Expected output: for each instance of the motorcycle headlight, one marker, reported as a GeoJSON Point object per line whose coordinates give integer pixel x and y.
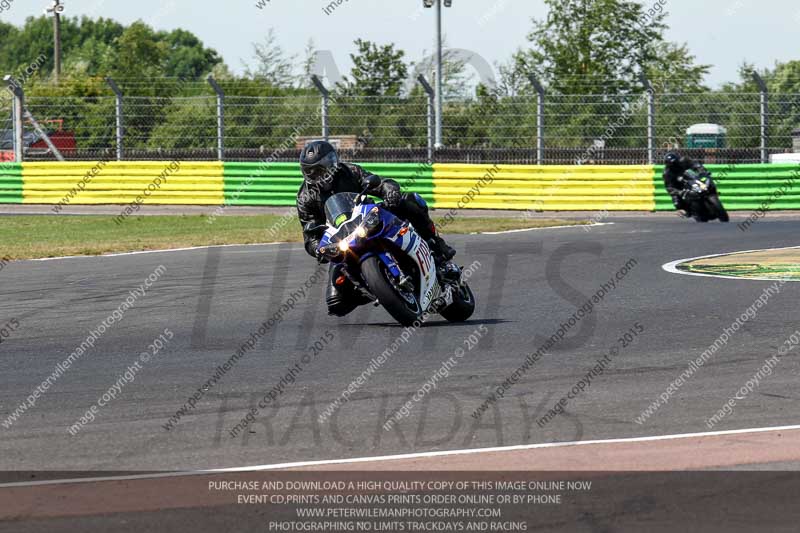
{"type": "Point", "coordinates": [343, 246]}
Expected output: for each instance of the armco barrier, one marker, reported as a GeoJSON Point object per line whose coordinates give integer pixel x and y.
{"type": "Point", "coordinates": [262, 183]}
{"type": "Point", "coordinates": [548, 188]}
{"type": "Point", "coordinates": [523, 187]}
{"type": "Point", "coordinates": [10, 183]}
{"type": "Point", "coordinates": [278, 183]}
{"type": "Point", "coordinates": [745, 186]}
{"type": "Point", "coordinates": [184, 182]}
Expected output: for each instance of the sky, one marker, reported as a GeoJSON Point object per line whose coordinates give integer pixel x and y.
{"type": "Point", "coordinates": [722, 33]}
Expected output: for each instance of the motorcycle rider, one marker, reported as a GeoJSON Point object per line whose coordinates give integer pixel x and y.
{"type": "Point", "coordinates": [675, 166]}
{"type": "Point", "coordinates": [325, 175]}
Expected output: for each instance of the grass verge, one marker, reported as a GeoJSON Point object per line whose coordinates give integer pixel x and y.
{"type": "Point", "coordinates": [38, 236]}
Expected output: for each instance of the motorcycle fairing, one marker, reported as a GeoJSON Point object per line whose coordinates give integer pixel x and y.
{"type": "Point", "coordinates": [404, 237]}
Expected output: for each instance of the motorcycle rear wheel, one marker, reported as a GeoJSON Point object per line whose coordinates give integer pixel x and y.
{"type": "Point", "coordinates": [396, 302]}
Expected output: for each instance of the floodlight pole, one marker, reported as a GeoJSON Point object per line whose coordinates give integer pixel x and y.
{"type": "Point", "coordinates": [439, 65]}
{"type": "Point", "coordinates": [56, 9]}
{"type": "Point", "coordinates": [439, 106]}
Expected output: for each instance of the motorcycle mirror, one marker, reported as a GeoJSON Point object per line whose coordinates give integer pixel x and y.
{"type": "Point", "coordinates": [371, 182]}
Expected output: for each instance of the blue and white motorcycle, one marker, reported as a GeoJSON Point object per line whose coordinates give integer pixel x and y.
{"type": "Point", "coordinates": [390, 263]}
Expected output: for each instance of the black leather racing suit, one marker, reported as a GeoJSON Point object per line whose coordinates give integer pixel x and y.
{"type": "Point", "coordinates": [672, 183]}
{"type": "Point", "coordinates": [342, 299]}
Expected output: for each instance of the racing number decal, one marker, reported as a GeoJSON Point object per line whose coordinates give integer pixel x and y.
{"type": "Point", "coordinates": [424, 257]}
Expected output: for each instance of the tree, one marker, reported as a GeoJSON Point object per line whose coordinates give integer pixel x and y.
{"type": "Point", "coordinates": [138, 53]}
{"type": "Point", "coordinates": [186, 56]}
{"type": "Point", "coordinates": [785, 78]}
{"type": "Point", "coordinates": [602, 46]}
{"type": "Point", "coordinates": [271, 63]}
{"type": "Point", "coordinates": [511, 80]}
{"type": "Point", "coordinates": [377, 70]}
{"type": "Point", "coordinates": [672, 69]}
{"type": "Point", "coordinates": [309, 59]}
{"type": "Point", "coordinates": [89, 59]}
{"type": "Point", "coordinates": [371, 109]}
{"type": "Point", "coordinates": [100, 47]}
{"type": "Point", "coordinates": [456, 81]}
{"type": "Point", "coordinates": [783, 85]}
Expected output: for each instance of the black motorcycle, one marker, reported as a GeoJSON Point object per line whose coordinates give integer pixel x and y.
{"type": "Point", "coordinates": [701, 198]}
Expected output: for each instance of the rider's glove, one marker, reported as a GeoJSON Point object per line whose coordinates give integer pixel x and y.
{"type": "Point", "coordinates": [392, 198]}
{"type": "Point", "coordinates": [314, 245]}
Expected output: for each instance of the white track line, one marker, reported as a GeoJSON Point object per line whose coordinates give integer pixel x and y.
{"type": "Point", "coordinates": [420, 455]}
{"type": "Point", "coordinates": [122, 254]}
{"type": "Point", "coordinates": [546, 227]}
{"type": "Point", "coordinates": [141, 252]}
{"type": "Point", "coordinates": [672, 266]}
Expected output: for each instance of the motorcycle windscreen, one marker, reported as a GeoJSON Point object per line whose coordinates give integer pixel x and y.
{"type": "Point", "coordinates": [692, 175]}
{"type": "Point", "coordinates": [339, 208]}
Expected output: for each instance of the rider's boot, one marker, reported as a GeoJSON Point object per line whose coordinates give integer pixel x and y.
{"type": "Point", "coordinates": [442, 254]}
{"type": "Point", "coordinates": [450, 272]}
{"type": "Point", "coordinates": [442, 251]}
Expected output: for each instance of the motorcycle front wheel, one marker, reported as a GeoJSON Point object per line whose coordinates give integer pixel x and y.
{"type": "Point", "coordinates": [402, 305]}
{"type": "Point", "coordinates": [715, 207]}
{"type": "Point", "coordinates": [699, 210]}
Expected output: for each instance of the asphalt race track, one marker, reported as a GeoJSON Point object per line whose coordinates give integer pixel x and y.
{"type": "Point", "coordinates": [527, 285]}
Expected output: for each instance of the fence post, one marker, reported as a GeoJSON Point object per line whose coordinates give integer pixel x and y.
{"type": "Point", "coordinates": [325, 101]}
{"type": "Point", "coordinates": [651, 119]}
{"type": "Point", "coordinates": [539, 119]}
{"type": "Point", "coordinates": [17, 107]}
{"type": "Point", "coordinates": [430, 113]}
{"type": "Point", "coordinates": [762, 88]}
{"type": "Point", "coordinates": [118, 107]}
{"type": "Point", "coordinates": [220, 117]}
